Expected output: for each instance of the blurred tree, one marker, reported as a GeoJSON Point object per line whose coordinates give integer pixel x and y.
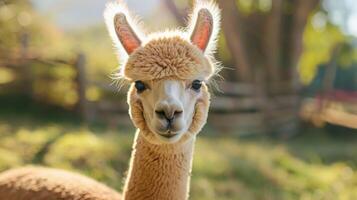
{"type": "Point", "coordinates": [262, 34]}
{"type": "Point", "coordinates": [12, 22]}
{"type": "Point", "coordinates": [231, 23]}
{"type": "Point", "coordinates": [269, 42]}
{"type": "Point", "coordinates": [339, 73]}
{"type": "Point", "coordinates": [319, 40]}
{"type": "Point", "coordinates": [18, 19]}
{"type": "Point", "coordinates": [24, 33]}
{"type": "Point", "coordinates": [269, 35]}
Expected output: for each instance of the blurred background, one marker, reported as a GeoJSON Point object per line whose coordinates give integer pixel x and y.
{"type": "Point", "coordinates": [283, 120]}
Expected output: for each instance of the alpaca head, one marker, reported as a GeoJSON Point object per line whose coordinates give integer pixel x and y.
{"type": "Point", "coordinates": [168, 72]}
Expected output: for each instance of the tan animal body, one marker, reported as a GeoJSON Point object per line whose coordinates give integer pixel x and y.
{"type": "Point", "coordinates": [168, 100]}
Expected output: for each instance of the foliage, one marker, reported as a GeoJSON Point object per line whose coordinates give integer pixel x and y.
{"type": "Point", "coordinates": [21, 26]}
{"type": "Point", "coordinates": [95, 43]}
{"type": "Point", "coordinates": [55, 84]}
{"type": "Point", "coordinates": [344, 79]}
{"type": "Point", "coordinates": [12, 18]}
{"type": "Point", "coordinates": [347, 56]}
{"type": "Point", "coordinates": [320, 37]}
{"type": "Point", "coordinates": [6, 75]}
{"type": "Point", "coordinates": [308, 167]}
{"type": "Point", "coordinates": [17, 19]}
{"type": "Point", "coordinates": [250, 6]}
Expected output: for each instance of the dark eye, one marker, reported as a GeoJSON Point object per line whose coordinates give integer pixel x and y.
{"type": "Point", "coordinates": [196, 85]}
{"type": "Point", "coordinates": [140, 86]}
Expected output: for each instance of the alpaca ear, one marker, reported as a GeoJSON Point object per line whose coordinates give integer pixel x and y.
{"type": "Point", "coordinates": [204, 25]}
{"type": "Point", "coordinates": [203, 29]}
{"type": "Point", "coordinates": [121, 27]}
{"type": "Point", "coordinates": [125, 33]}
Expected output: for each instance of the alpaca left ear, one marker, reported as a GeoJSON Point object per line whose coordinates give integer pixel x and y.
{"type": "Point", "coordinates": [204, 25]}
{"type": "Point", "coordinates": [122, 28]}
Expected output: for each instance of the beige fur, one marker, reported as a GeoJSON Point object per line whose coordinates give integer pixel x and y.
{"type": "Point", "coordinates": [159, 168]}
{"type": "Point", "coordinates": [159, 172]}
{"type": "Point", "coordinates": [37, 183]}
{"type": "Point", "coordinates": [199, 118]}
{"type": "Point", "coordinates": [167, 57]}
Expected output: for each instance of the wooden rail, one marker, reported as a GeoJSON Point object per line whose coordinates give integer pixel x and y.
{"type": "Point", "coordinates": [247, 108]}
{"type": "Point", "coordinates": [333, 112]}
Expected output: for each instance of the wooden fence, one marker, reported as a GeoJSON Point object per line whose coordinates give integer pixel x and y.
{"type": "Point", "coordinates": [245, 108]}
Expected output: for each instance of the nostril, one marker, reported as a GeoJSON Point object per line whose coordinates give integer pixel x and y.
{"type": "Point", "coordinates": [160, 113]}
{"type": "Point", "coordinates": [169, 116]}
{"type": "Point", "coordinates": [177, 112]}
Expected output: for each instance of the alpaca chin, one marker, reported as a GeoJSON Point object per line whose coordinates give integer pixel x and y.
{"type": "Point", "coordinates": [171, 140]}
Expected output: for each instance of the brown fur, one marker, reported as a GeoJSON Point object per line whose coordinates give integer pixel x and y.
{"type": "Point", "coordinates": [159, 172]}
{"type": "Point", "coordinates": [37, 183]}
{"type": "Point", "coordinates": [199, 118]}
{"type": "Point", "coordinates": [167, 57]}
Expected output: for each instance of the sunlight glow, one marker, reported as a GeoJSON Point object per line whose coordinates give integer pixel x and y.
{"type": "Point", "coordinates": [352, 24]}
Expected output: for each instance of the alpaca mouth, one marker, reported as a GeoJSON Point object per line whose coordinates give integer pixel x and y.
{"type": "Point", "coordinates": [169, 135]}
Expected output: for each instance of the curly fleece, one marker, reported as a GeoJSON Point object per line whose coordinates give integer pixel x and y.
{"type": "Point", "coordinates": [167, 57]}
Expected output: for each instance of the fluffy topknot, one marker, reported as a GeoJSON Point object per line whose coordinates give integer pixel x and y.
{"type": "Point", "coordinates": [201, 33]}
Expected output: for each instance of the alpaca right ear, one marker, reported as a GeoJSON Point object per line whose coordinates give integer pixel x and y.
{"type": "Point", "coordinates": [204, 25]}
{"type": "Point", "coordinates": [121, 27]}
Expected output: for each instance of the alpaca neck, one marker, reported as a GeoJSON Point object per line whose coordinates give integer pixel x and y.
{"type": "Point", "coordinates": [159, 171]}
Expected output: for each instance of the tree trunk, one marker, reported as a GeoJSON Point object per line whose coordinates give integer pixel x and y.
{"type": "Point", "coordinates": [272, 41]}
{"type": "Point", "coordinates": [230, 24]}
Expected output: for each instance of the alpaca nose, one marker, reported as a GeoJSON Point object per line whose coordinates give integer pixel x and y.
{"type": "Point", "coordinates": [168, 110]}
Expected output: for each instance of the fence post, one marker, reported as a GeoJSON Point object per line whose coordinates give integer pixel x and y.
{"type": "Point", "coordinates": [26, 65]}
{"type": "Point", "coordinates": [82, 104]}
{"type": "Point", "coordinates": [261, 93]}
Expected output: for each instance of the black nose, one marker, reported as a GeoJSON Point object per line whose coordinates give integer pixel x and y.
{"type": "Point", "coordinates": [168, 115]}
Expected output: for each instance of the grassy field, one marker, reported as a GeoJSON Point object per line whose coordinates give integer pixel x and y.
{"type": "Point", "coordinates": [313, 165]}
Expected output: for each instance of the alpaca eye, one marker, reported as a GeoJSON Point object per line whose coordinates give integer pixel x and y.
{"type": "Point", "coordinates": [140, 86]}
{"type": "Point", "coordinates": [196, 85]}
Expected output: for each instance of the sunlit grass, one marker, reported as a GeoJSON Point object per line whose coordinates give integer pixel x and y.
{"type": "Point", "coordinates": [6, 75]}
{"type": "Point", "coordinates": [224, 167]}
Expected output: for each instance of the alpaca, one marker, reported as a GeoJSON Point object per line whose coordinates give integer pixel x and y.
{"type": "Point", "coordinates": [169, 100]}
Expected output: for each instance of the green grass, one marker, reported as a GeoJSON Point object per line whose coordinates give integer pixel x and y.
{"type": "Point", "coordinates": [313, 165]}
